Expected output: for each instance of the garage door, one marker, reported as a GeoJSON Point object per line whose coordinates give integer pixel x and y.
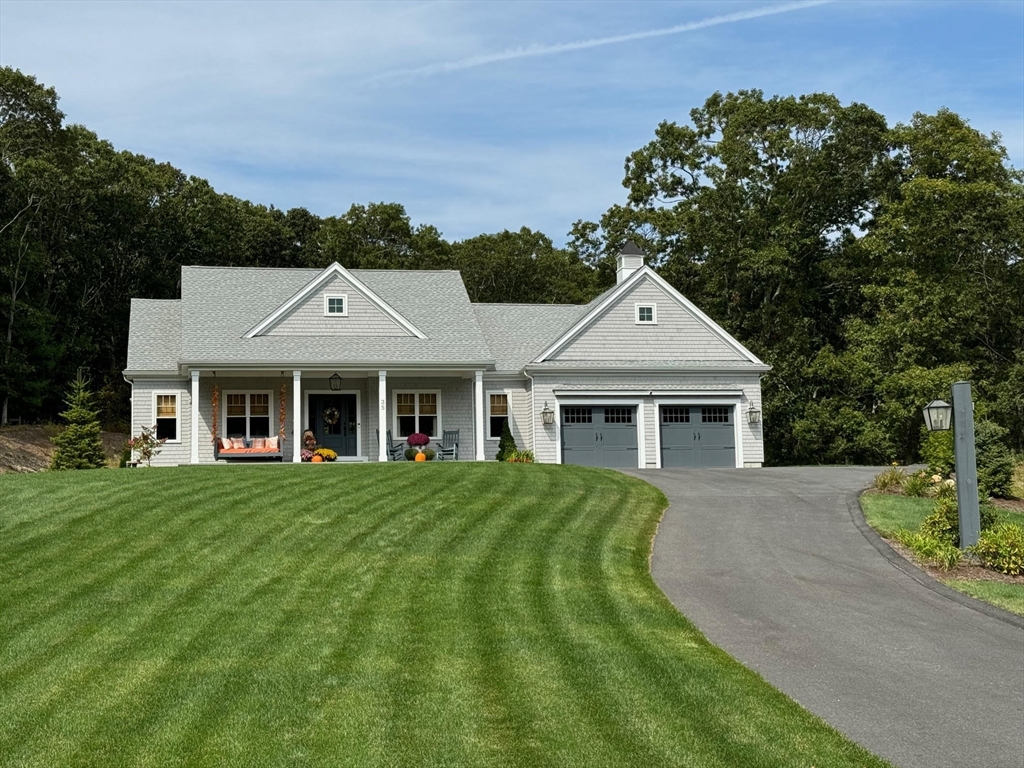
{"type": "Point", "coordinates": [599, 436]}
{"type": "Point", "coordinates": [697, 436]}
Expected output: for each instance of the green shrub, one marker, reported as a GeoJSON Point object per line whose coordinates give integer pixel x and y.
{"type": "Point", "coordinates": [1002, 549]}
{"type": "Point", "coordinates": [995, 461]}
{"type": "Point", "coordinates": [507, 444]}
{"type": "Point", "coordinates": [126, 456]}
{"type": "Point", "coordinates": [520, 457]}
{"type": "Point", "coordinates": [410, 454]}
{"type": "Point", "coordinates": [917, 484]}
{"type": "Point", "coordinates": [430, 453]}
{"type": "Point", "coordinates": [943, 523]}
{"type": "Point", "coordinates": [79, 445]}
{"type": "Point", "coordinates": [934, 551]}
{"type": "Point", "coordinates": [890, 480]}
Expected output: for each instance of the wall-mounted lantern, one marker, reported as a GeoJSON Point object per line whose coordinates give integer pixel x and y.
{"type": "Point", "coordinates": [335, 381]}
{"type": "Point", "coordinates": [753, 415]}
{"type": "Point", "coordinates": [547, 415]}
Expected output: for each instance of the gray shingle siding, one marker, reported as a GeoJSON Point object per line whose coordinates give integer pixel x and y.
{"type": "Point", "coordinates": [144, 415]}
{"type": "Point", "coordinates": [362, 318]}
{"type": "Point", "coordinates": [677, 334]}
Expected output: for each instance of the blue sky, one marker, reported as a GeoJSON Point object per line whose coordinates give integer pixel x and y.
{"type": "Point", "coordinates": [480, 117]}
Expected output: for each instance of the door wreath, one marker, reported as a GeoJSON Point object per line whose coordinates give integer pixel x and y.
{"type": "Point", "coordinates": [331, 416]}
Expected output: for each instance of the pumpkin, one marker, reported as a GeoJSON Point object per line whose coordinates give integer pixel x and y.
{"type": "Point", "coordinates": [421, 457]}
{"type": "Point", "coordinates": [317, 458]}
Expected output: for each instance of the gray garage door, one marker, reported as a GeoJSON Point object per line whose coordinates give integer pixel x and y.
{"type": "Point", "coordinates": [599, 436]}
{"type": "Point", "coordinates": [697, 436]}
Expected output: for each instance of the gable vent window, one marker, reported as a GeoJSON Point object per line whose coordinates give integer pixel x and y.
{"type": "Point", "coordinates": [336, 306]}
{"type": "Point", "coordinates": [646, 314]}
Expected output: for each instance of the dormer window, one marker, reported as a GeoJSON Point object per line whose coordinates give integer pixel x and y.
{"type": "Point", "coordinates": [646, 314]}
{"type": "Point", "coordinates": [336, 305]}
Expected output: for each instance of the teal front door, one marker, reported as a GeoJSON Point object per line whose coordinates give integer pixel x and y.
{"type": "Point", "coordinates": [332, 418]}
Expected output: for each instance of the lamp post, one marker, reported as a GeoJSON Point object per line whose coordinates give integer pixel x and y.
{"type": "Point", "coordinates": [937, 418]}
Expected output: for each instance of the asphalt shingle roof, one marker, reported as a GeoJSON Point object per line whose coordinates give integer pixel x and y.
{"type": "Point", "coordinates": [517, 333]}
{"type": "Point", "coordinates": [220, 304]}
{"type": "Point", "coordinates": [154, 335]}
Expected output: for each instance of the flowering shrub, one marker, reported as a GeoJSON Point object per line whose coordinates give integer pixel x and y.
{"type": "Point", "coordinates": [326, 454]}
{"type": "Point", "coordinates": [146, 445]}
{"type": "Point", "coordinates": [417, 439]}
{"type": "Point", "coordinates": [306, 455]}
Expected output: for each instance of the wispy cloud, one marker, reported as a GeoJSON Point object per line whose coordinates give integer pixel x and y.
{"type": "Point", "coordinates": [533, 51]}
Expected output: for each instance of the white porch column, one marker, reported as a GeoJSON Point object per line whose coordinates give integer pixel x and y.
{"type": "Point", "coordinates": [382, 415]}
{"type": "Point", "coordinates": [478, 408]}
{"type": "Point", "coordinates": [296, 416]}
{"type": "Point", "coordinates": [194, 459]}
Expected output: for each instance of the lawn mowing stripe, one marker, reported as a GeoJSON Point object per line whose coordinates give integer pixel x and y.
{"type": "Point", "coordinates": [446, 645]}
{"type": "Point", "coordinates": [361, 667]}
{"type": "Point", "coordinates": [91, 664]}
{"type": "Point", "coordinates": [380, 615]}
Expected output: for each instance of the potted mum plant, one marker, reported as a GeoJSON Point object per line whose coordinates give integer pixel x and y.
{"type": "Point", "coordinates": [417, 440]}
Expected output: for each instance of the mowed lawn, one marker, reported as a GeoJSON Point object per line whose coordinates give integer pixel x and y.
{"type": "Point", "coordinates": [439, 614]}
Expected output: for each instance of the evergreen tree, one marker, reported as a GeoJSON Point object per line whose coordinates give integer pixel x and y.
{"type": "Point", "coordinates": [507, 444]}
{"type": "Point", "coordinates": [79, 445]}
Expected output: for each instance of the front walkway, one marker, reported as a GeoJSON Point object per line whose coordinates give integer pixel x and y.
{"type": "Point", "coordinates": [771, 567]}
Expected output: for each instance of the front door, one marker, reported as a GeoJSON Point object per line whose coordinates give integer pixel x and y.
{"type": "Point", "coordinates": [332, 418]}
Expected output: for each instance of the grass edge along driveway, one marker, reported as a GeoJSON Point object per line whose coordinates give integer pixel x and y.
{"type": "Point", "coordinates": [440, 614]}
{"type": "Point", "coordinates": [887, 513]}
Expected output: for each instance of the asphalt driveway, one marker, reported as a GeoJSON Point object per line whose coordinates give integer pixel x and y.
{"type": "Point", "coordinates": [771, 565]}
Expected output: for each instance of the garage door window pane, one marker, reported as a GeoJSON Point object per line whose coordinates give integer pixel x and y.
{"type": "Point", "coordinates": [578, 416]}
{"type": "Point", "coordinates": [675, 415]}
{"type": "Point", "coordinates": [618, 415]}
{"type": "Point", "coordinates": [715, 415]}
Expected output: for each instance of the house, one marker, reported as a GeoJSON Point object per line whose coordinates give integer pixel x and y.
{"type": "Point", "coordinates": [640, 377]}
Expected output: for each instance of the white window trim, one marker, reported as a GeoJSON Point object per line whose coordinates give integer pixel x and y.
{"type": "Point", "coordinates": [271, 412]}
{"type": "Point", "coordinates": [654, 313]}
{"type": "Point", "coordinates": [328, 297]}
{"type": "Point", "coordinates": [394, 410]}
{"type": "Point", "coordinates": [177, 411]}
{"type": "Point", "coordinates": [487, 406]}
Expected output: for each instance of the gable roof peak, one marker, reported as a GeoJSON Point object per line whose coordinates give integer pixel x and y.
{"type": "Point", "coordinates": [334, 269]}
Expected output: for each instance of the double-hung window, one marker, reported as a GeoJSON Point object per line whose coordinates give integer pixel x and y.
{"type": "Point", "coordinates": [167, 416]}
{"type": "Point", "coordinates": [247, 414]}
{"type": "Point", "coordinates": [417, 412]}
{"type": "Point", "coordinates": [497, 414]}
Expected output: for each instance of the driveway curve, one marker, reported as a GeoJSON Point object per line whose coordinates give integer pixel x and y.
{"type": "Point", "coordinates": [770, 565]}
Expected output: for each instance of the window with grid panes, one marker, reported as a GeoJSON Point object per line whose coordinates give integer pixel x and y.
{"type": "Point", "coordinates": [417, 412]}
{"type": "Point", "coordinates": [247, 414]}
{"type": "Point", "coordinates": [167, 417]}
{"type": "Point", "coordinates": [498, 405]}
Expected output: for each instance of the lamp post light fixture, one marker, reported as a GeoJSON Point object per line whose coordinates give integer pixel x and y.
{"type": "Point", "coordinates": [547, 415]}
{"type": "Point", "coordinates": [335, 382]}
{"type": "Point", "coordinates": [937, 418]}
{"type": "Point", "coordinates": [753, 415]}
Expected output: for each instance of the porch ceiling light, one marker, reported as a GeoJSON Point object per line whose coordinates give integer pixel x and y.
{"type": "Point", "coordinates": [547, 415]}
{"type": "Point", "coordinates": [753, 414]}
{"type": "Point", "coordinates": [937, 416]}
{"type": "Point", "coordinates": [335, 381]}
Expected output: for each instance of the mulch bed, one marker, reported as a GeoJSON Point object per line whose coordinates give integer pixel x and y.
{"type": "Point", "coordinates": [965, 570]}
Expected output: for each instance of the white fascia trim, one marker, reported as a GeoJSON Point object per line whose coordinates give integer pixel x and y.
{"type": "Point", "coordinates": [334, 270]}
{"type": "Point", "coordinates": [628, 285]}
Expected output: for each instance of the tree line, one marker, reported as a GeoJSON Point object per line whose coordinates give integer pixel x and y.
{"type": "Point", "coordinates": [870, 265]}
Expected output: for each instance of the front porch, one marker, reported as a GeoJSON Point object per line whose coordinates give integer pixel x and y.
{"type": "Point", "coordinates": [344, 409]}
